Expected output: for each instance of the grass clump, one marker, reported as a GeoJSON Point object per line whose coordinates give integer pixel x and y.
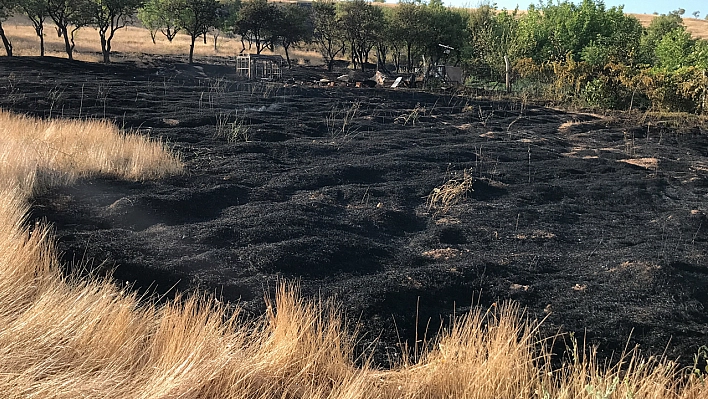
{"type": "Point", "coordinates": [36, 153]}
{"type": "Point", "coordinates": [233, 131]}
{"type": "Point", "coordinates": [442, 198]}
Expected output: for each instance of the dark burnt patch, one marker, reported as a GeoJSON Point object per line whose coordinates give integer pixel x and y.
{"type": "Point", "coordinates": [566, 222]}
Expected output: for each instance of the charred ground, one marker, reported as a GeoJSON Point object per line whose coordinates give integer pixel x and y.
{"type": "Point", "coordinates": [597, 223]}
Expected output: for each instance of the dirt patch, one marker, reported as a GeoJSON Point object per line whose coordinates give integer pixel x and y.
{"type": "Point", "coordinates": [559, 219]}
{"type": "Point", "coordinates": [646, 163]}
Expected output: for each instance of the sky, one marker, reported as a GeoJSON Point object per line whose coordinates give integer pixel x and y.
{"type": "Point", "coordinates": [630, 6]}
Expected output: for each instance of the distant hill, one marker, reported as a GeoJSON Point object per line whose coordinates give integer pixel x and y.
{"type": "Point", "coordinates": [697, 27]}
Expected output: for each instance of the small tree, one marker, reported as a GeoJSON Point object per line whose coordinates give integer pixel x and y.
{"type": "Point", "coordinates": [295, 26]}
{"type": "Point", "coordinates": [361, 24]}
{"type": "Point", "coordinates": [258, 24]}
{"type": "Point", "coordinates": [385, 39]}
{"type": "Point", "coordinates": [108, 16]}
{"type": "Point", "coordinates": [6, 9]}
{"type": "Point", "coordinates": [696, 14]}
{"type": "Point", "coordinates": [65, 13]}
{"type": "Point", "coordinates": [658, 28]}
{"type": "Point", "coordinates": [674, 50]}
{"type": "Point", "coordinates": [327, 33]}
{"type": "Point", "coordinates": [157, 15]}
{"type": "Point", "coordinates": [195, 17]}
{"type": "Point", "coordinates": [492, 37]}
{"type": "Point", "coordinates": [407, 27]}
{"type": "Point", "coordinates": [226, 16]}
{"type": "Point", "coordinates": [36, 11]}
{"type": "Point", "coordinates": [444, 26]}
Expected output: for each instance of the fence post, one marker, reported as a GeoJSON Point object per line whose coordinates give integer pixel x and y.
{"type": "Point", "coordinates": [508, 74]}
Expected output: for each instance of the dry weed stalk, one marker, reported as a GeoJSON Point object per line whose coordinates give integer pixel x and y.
{"type": "Point", "coordinates": [411, 117]}
{"type": "Point", "coordinates": [442, 198]}
{"type": "Point", "coordinates": [345, 116]}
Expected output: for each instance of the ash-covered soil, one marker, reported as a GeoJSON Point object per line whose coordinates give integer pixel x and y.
{"type": "Point", "coordinates": [597, 223]}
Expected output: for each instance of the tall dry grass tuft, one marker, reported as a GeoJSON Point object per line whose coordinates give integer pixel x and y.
{"type": "Point", "coordinates": [37, 153]}
{"type": "Point", "coordinates": [483, 355]}
{"type": "Point", "coordinates": [64, 337]}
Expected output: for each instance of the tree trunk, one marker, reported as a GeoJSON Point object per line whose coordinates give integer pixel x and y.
{"type": "Point", "coordinates": [105, 49]}
{"type": "Point", "coordinates": [287, 56]}
{"type": "Point", "coordinates": [205, 38]}
{"type": "Point", "coordinates": [191, 49]}
{"type": "Point", "coordinates": [152, 36]}
{"type": "Point", "coordinates": [67, 44]}
{"type": "Point", "coordinates": [5, 41]}
{"type": "Point", "coordinates": [39, 30]}
{"type": "Point", "coordinates": [410, 59]}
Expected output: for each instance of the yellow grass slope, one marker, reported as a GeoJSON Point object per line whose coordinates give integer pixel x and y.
{"type": "Point", "coordinates": [697, 27]}
{"type": "Point", "coordinates": [133, 42]}
{"type": "Point", "coordinates": [67, 338]}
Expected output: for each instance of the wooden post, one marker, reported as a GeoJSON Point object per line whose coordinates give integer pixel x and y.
{"type": "Point", "coordinates": [508, 74]}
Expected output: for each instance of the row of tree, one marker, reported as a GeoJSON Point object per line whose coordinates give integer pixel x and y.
{"type": "Point", "coordinates": [107, 16]}
{"type": "Point", "coordinates": [355, 28]}
{"type": "Point", "coordinates": [584, 50]}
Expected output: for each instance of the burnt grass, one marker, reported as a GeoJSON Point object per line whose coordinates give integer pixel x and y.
{"type": "Point", "coordinates": [330, 191]}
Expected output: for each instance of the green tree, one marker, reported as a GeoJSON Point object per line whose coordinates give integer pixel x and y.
{"type": "Point", "coordinates": [226, 16]}
{"type": "Point", "coordinates": [554, 30]}
{"type": "Point", "coordinates": [699, 54]}
{"type": "Point", "coordinates": [446, 27]}
{"type": "Point", "coordinates": [361, 24]}
{"type": "Point", "coordinates": [6, 10]}
{"type": "Point", "coordinates": [327, 32]}
{"type": "Point", "coordinates": [408, 27]}
{"type": "Point", "coordinates": [257, 23]}
{"type": "Point", "coordinates": [295, 26]}
{"type": "Point", "coordinates": [158, 15]}
{"type": "Point", "coordinates": [492, 36]}
{"type": "Point", "coordinates": [385, 39]}
{"type": "Point", "coordinates": [66, 13]}
{"type": "Point", "coordinates": [194, 17]}
{"type": "Point", "coordinates": [36, 11]}
{"type": "Point", "coordinates": [108, 16]}
{"type": "Point", "coordinates": [674, 50]}
{"type": "Point", "coordinates": [658, 28]}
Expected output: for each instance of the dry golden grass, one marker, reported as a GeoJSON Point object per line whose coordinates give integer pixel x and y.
{"type": "Point", "coordinates": [450, 193]}
{"type": "Point", "coordinates": [36, 154]}
{"type": "Point", "coordinates": [132, 42]}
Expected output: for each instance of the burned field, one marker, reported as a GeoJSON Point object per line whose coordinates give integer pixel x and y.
{"type": "Point", "coordinates": [597, 224]}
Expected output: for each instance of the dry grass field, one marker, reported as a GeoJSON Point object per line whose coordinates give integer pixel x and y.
{"type": "Point", "coordinates": [132, 43]}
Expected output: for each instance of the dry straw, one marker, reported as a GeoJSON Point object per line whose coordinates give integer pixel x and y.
{"type": "Point", "coordinates": [452, 192]}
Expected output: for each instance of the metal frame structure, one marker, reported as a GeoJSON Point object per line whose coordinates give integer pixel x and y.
{"type": "Point", "coordinates": [259, 66]}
